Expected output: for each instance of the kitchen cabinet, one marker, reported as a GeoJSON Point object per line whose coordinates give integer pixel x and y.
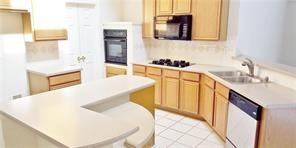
{"type": "Point", "coordinates": [14, 5]}
{"type": "Point", "coordinates": [148, 18]}
{"type": "Point", "coordinates": [40, 83]}
{"type": "Point", "coordinates": [114, 71]}
{"type": "Point", "coordinates": [157, 88]}
{"type": "Point", "coordinates": [189, 92]}
{"type": "Point", "coordinates": [156, 74]}
{"type": "Point", "coordinates": [182, 6]}
{"type": "Point", "coordinates": [81, 47]}
{"type": "Point", "coordinates": [221, 110]}
{"type": "Point", "coordinates": [164, 7]}
{"type": "Point", "coordinates": [209, 19]}
{"type": "Point", "coordinates": [46, 21]}
{"type": "Point", "coordinates": [206, 107]}
{"type": "Point", "coordinates": [170, 89]}
{"type": "Point", "coordinates": [220, 115]}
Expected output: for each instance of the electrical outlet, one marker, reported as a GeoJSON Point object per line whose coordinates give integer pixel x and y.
{"type": "Point", "coordinates": [16, 96]}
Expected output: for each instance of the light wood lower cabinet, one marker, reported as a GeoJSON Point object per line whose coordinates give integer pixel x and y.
{"type": "Point", "coordinates": [114, 71]}
{"type": "Point", "coordinates": [170, 91]}
{"type": "Point", "coordinates": [207, 103]}
{"type": "Point", "coordinates": [189, 95]}
{"type": "Point", "coordinates": [40, 83]}
{"type": "Point", "coordinates": [220, 115]}
{"type": "Point", "coordinates": [157, 88]}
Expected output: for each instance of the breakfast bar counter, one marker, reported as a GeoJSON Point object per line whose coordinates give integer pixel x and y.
{"type": "Point", "coordinates": [86, 115]}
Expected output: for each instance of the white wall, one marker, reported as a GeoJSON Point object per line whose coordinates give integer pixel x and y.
{"type": "Point", "coordinates": [288, 55]}
{"type": "Point", "coordinates": [12, 48]}
{"type": "Point", "coordinates": [261, 24]}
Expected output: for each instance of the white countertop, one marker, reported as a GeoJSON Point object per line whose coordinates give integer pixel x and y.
{"type": "Point", "coordinates": [51, 68]}
{"type": "Point", "coordinates": [60, 115]}
{"type": "Point", "coordinates": [268, 95]}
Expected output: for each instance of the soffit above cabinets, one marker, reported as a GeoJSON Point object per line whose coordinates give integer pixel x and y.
{"type": "Point", "coordinates": [19, 6]}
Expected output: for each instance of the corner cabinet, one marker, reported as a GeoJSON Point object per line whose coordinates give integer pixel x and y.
{"type": "Point", "coordinates": [209, 19]}
{"type": "Point", "coordinates": [46, 21]}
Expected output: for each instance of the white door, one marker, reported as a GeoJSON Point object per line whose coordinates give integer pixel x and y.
{"type": "Point", "coordinates": [88, 31]}
{"type": "Point", "coordinates": [83, 40]}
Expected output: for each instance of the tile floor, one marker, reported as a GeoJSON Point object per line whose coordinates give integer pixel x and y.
{"type": "Point", "coordinates": [176, 131]}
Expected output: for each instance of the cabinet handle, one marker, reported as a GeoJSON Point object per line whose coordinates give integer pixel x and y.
{"type": "Point", "coordinates": [83, 58]}
{"type": "Point", "coordinates": [79, 59]}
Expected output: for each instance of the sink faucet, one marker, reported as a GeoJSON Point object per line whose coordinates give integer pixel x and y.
{"type": "Point", "coordinates": [250, 65]}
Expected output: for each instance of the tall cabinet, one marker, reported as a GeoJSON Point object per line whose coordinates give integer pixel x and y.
{"type": "Point", "coordinates": [148, 17]}
{"type": "Point", "coordinates": [81, 47]}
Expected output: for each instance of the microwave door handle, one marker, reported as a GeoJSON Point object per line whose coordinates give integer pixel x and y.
{"type": "Point", "coordinates": [115, 40]}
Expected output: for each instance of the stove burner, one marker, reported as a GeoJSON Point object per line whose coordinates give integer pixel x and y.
{"type": "Point", "coordinates": [169, 62]}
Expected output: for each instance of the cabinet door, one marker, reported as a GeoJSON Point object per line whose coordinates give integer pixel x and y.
{"type": "Point", "coordinates": [49, 19]}
{"type": "Point", "coordinates": [189, 95]}
{"type": "Point", "coordinates": [164, 7]}
{"type": "Point", "coordinates": [182, 6]}
{"type": "Point", "coordinates": [171, 92]}
{"type": "Point", "coordinates": [157, 88]}
{"type": "Point", "coordinates": [220, 115]}
{"type": "Point", "coordinates": [18, 5]}
{"type": "Point", "coordinates": [148, 17]}
{"type": "Point", "coordinates": [206, 19]}
{"type": "Point", "coordinates": [206, 106]}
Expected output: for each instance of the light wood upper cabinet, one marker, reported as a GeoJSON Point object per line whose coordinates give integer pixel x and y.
{"type": "Point", "coordinates": [164, 7]}
{"type": "Point", "coordinates": [206, 107]}
{"type": "Point", "coordinates": [209, 19]}
{"type": "Point", "coordinates": [182, 6]}
{"type": "Point", "coordinates": [157, 88]}
{"type": "Point", "coordinates": [46, 21]}
{"type": "Point", "coordinates": [148, 18]}
{"type": "Point", "coordinates": [14, 5]}
{"type": "Point", "coordinates": [189, 95]}
{"type": "Point", "coordinates": [220, 115]}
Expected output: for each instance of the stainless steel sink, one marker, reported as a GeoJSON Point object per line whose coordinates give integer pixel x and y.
{"type": "Point", "coordinates": [238, 77]}
{"type": "Point", "coordinates": [229, 73]}
{"type": "Point", "coordinates": [244, 79]}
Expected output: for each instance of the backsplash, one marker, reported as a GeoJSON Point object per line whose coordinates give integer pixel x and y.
{"type": "Point", "coordinates": [214, 53]}
{"type": "Point", "coordinates": [41, 51]}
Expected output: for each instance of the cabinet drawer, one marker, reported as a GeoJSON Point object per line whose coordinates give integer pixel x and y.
{"type": "Point", "coordinates": [209, 82]}
{"type": "Point", "coordinates": [171, 73]}
{"type": "Point", "coordinates": [60, 79]}
{"type": "Point", "coordinates": [190, 76]}
{"type": "Point", "coordinates": [139, 74]}
{"type": "Point", "coordinates": [139, 69]}
{"type": "Point", "coordinates": [115, 71]}
{"type": "Point", "coordinates": [222, 90]}
{"type": "Point", "coordinates": [154, 71]}
{"type": "Point", "coordinates": [64, 85]}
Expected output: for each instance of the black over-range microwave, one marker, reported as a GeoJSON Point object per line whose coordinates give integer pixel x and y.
{"type": "Point", "coordinates": [171, 27]}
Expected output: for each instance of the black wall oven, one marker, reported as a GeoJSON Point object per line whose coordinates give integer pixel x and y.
{"type": "Point", "coordinates": [115, 46]}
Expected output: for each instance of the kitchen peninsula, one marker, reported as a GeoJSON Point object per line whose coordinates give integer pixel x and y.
{"type": "Point", "coordinates": [96, 114]}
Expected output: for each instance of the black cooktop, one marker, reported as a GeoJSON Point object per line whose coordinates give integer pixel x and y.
{"type": "Point", "coordinates": [172, 63]}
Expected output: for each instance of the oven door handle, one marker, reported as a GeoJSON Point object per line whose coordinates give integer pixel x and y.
{"type": "Point", "coordinates": [116, 40]}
